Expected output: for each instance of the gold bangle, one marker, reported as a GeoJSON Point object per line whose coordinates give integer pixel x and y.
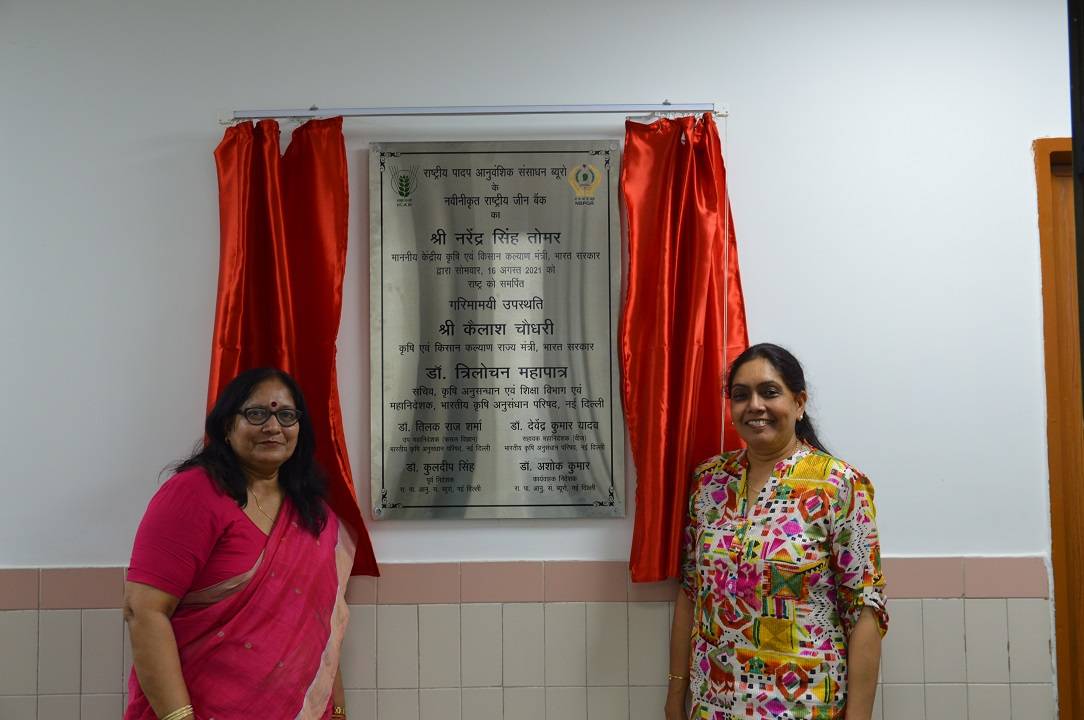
{"type": "Point", "coordinates": [672, 676]}
{"type": "Point", "coordinates": [180, 713]}
{"type": "Point", "coordinates": [338, 711]}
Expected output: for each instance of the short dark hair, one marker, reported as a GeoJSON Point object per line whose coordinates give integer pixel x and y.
{"type": "Point", "coordinates": [793, 377]}
{"type": "Point", "coordinates": [300, 477]}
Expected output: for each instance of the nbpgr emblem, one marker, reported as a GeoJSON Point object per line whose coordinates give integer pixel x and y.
{"type": "Point", "coordinates": [584, 180]}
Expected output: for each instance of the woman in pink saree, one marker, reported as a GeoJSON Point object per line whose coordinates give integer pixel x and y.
{"type": "Point", "coordinates": [235, 593]}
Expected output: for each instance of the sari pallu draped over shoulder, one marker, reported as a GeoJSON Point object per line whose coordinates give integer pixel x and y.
{"type": "Point", "coordinates": [267, 647]}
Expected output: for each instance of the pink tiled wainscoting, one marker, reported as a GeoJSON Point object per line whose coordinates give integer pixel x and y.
{"type": "Point", "coordinates": [969, 638]}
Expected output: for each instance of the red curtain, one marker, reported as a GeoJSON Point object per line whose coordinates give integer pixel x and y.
{"type": "Point", "coordinates": [280, 279]}
{"type": "Point", "coordinates": [684, 318]}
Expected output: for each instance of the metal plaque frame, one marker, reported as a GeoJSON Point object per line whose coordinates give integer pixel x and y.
{"type": "Point", "coordinates": [495, 271]}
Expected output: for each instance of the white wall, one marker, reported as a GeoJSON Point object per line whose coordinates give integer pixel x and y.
{"type": "Point", "coordinates": [881, 176]}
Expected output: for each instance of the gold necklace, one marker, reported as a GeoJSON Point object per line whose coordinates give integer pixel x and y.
{"type": "Point", "coordinates": [260, 508]}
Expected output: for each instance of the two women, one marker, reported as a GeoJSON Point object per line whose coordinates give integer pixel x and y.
{"type": "Point", "coordinates": [235, 592]}
{"type": "Point", "coordinates": [782, 607]}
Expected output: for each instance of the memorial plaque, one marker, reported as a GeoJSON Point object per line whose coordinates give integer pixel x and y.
{"type": "Point", "coordinates": [495, 282]}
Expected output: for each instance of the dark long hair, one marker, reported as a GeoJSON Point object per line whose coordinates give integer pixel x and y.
{"type": "Point", "coordinates": [300, 477]}
{"type": "Point", "coordinates": [793, 377]}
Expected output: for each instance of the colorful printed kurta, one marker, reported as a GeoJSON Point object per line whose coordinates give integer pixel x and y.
{"type": "Point", "coordinates": [778, 587]}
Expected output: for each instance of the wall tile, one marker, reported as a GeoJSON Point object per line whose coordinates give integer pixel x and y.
{"type": "Point", "coordinates": [418, 583]}
{"type": "Point", "coordinates": [664, 591]}
{"type": "Point", "coordinates": [523, 634]}
{"type": "Point", "coordinates": [57, 707]}
{"type": "Point", "coordinates": [566, 703]}
{"type": "Point", "coordinates": [59, 639]}
{"type": "Point", "coordinates": [1029, 641]}
{"type": "Point", "coordinates": [484, 703]}
{"type": "Point", "coordinates": [901, 653]}
{"type": "Point", "coordinates": [607, 644]}
{"type": "Point", "coordinates": [102, 652]}
{"type": "Point", "coordinates": [878, 704]}
{"type": "Point", "coordinates": [566, 653]}
{"type": "Point", "coordinates": [480, 645]}
{"type": "Point", "coordinates": [439, 704]}
{"type": "Point", "coordinates": [525, 703]}
{"type": "Point", "coordinates": [397, 649]}
{"type": "Point", "coordinates": [609, 703]}
{"type": "Point", "coordinates": [397, 705]}
{"type": "Point", "coordinates": [361, 704]}
{"type": "Point", "coordinates": [646, 703]}
{"type": "Point", "coordinates": [438, 646]}
{"type": "Point", "coordinates": [943, 641]}
{"type": "Point", "coordinates": [101, 707]}
{"type": "Point", "coordinates": [82, 588]}
{"type": "Point", "coordinates": [1006, 577]}
{"type": "Point", "coordinates": [649, 643]}
{"type": "Point", "coordinates": [924, 577]}
{"type": "Point", "coordinates": [946, 702]}
{"type": "Point", "coordinates": [19, 589]}
{"type": "Point", "coordinates": [565, 659]}
{"type": "Point", "coordinates": [361, 590]}
{"type": "Point", "coordinates": [903, 702]}
{"type": "Point", "coordinates": [496, 582]}
{"type": "Point", "coordinates": [359, 649]}
{"type": "Point", "coordinates": [586, 582]}
{"type": "Point", "coordinates": [989, 702]}
{"type": "Point", "coordinates": [18, 653]}
{"type": "Point", "coordinates": [18, 707]}
{"type": "Point", "coordinates": [1032, 702]}
{"type": "Point", "coordinates": [987, 633]}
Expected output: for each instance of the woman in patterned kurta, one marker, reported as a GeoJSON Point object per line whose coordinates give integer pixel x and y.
{"type": "Point", "coordinates": [781, 609]}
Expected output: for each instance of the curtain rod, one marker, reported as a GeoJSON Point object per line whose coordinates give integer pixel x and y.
{"type": "Point", "coordinates": [314, 111]}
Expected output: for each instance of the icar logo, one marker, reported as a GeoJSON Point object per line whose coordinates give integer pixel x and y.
{"type": "Point", "coordinates": [403, 183]}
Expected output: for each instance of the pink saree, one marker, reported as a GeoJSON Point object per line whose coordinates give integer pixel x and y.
{"type": "Point", "coordinates": [266, 644]}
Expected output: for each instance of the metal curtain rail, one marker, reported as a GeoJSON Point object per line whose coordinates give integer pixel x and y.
{"type": "Point", "coordinates": [629, 109]}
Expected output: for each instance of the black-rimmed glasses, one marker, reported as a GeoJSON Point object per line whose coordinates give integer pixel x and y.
{"type": "Point", "coordinates": [258, 415]}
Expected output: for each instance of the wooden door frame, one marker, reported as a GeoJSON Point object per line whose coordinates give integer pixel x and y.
{"type": "Point", "coordinates": [1064, 428]}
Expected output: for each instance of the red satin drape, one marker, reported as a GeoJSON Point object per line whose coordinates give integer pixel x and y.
{"type": "Point", "coordinates": [280, 280]}
{"type": "Point", "coordinates": [684, 318]}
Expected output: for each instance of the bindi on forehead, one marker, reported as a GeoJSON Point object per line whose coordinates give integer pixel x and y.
{"type": "Point", "coordinates": [274, 404]}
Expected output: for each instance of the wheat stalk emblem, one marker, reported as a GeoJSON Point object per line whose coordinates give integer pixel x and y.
{"type": "Point", "coordinates": [404, 182]}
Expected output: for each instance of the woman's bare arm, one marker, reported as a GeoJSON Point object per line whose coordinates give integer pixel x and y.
{"type": "Point", "coordinates": [680, 649]}
{"type": "Point", "coordinates": [338, 694]}
{"type": "Point", "coordinates": [863, 659]}
{"type": "Point", "coordinates": [147, 611]}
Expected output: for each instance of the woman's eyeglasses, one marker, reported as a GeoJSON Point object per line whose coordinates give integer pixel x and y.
{"type": "Point", "coordinates": [258, 415]}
